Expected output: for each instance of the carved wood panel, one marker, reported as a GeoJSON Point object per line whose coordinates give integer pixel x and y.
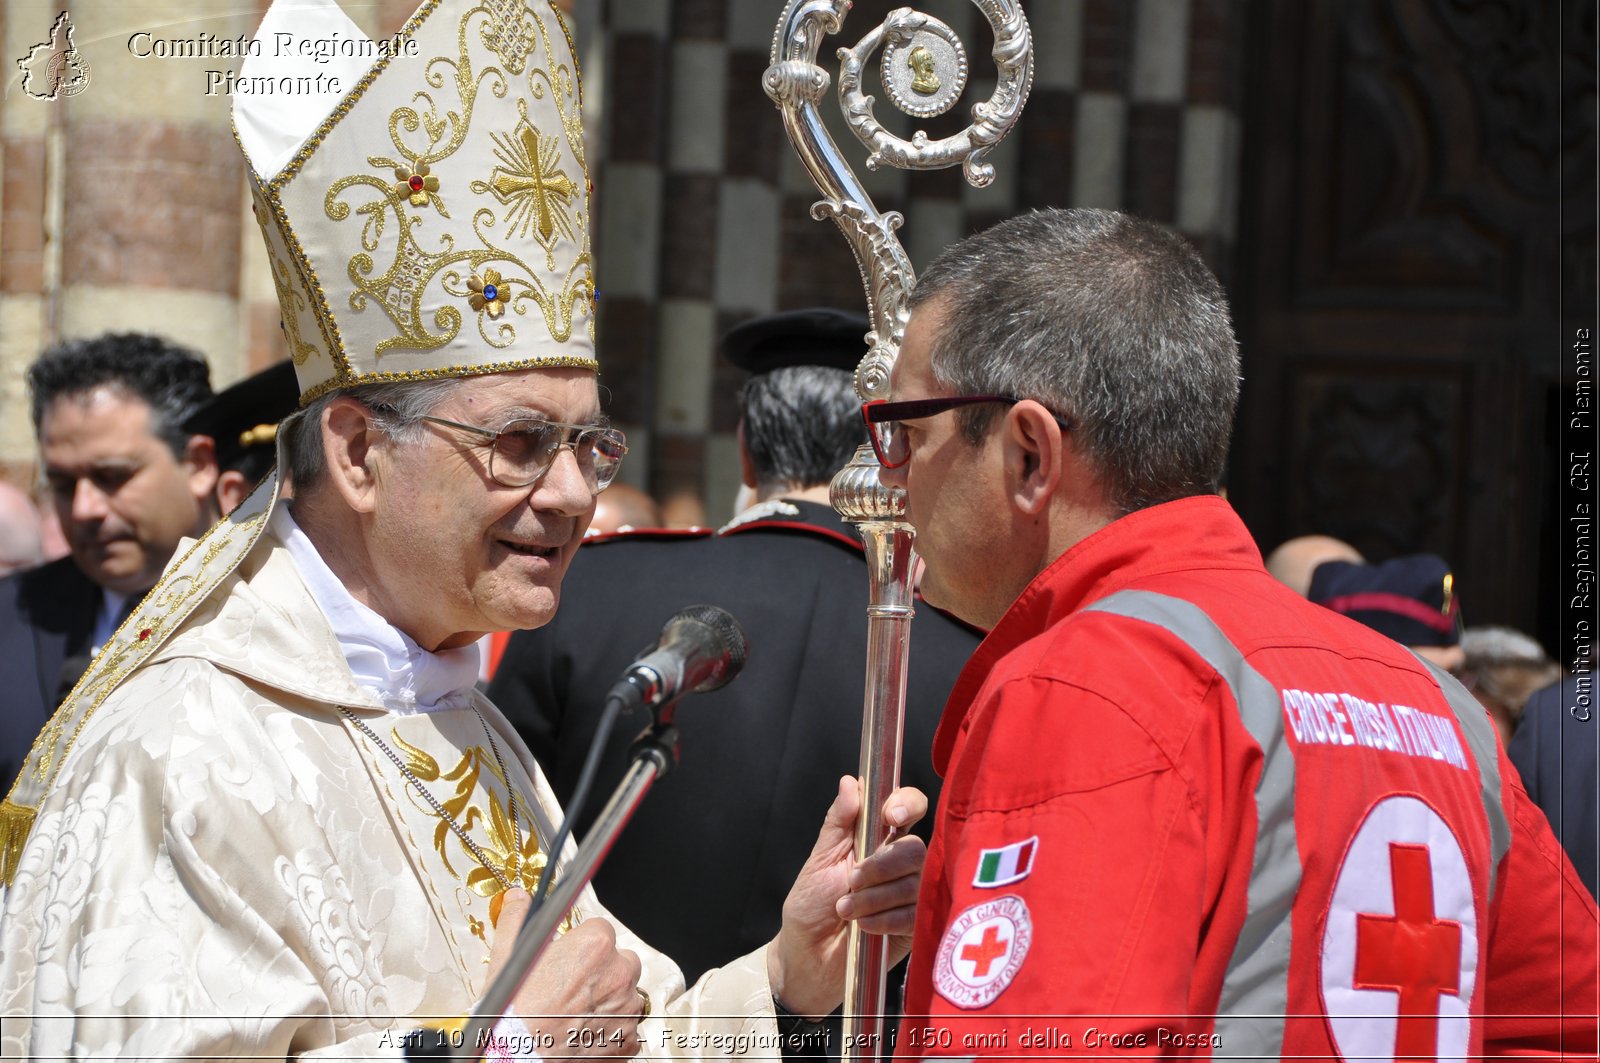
{"type": "Point", "coordinates": [1400, 278]}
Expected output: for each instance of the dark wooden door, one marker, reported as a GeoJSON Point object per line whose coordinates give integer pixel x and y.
{"type": "Point", "coordinates": [1399, 290]}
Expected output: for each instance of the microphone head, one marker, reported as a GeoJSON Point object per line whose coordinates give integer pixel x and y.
{"type": "Point", "coordinates": [718, 628]}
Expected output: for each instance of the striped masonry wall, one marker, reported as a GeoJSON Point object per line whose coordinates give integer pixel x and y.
{"type": "Point", "coordinates": [704, 211]}
{"type": "Point", "coordinates": [124, 207]}
{"type": "Point", "coordinates": [120, 207]}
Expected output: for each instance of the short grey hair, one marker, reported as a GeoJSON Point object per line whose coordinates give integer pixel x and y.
{"type": "Point", "coordinates": [399, 407]}
{"type": "Point", "coordinates": [1501, 645]}
{"type": "Point", "coordinates": [1111, 322]}
{"type": "Point", "coordinates": [1506, 665]}
{"type": "Point", "coordinates": [802, 424]}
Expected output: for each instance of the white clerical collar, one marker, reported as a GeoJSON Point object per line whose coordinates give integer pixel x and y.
{"type": "Point", "coordinates": [384, 660]}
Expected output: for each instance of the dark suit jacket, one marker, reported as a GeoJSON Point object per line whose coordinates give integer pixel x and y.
{"type": "Point", "coordinates": [703, 869]}
{"type": "Point", "coordinates": [46, 624]}
{"type": "Point", "coordinates": [1555, 749]}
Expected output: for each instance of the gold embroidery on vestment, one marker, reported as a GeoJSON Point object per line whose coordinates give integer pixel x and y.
{"type": "Point", "coordinates": [168, 603]}
{"type": "Point", "coordinates": [519, 867]}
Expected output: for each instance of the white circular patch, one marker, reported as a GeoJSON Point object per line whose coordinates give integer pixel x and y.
{"type": "Point", "coordinates": [982, 952]}
{"type": "Point", "coordinates": [1400, 942]}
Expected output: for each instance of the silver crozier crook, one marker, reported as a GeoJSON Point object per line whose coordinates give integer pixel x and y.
{"type": "Point", "coordinates": [923, 70]}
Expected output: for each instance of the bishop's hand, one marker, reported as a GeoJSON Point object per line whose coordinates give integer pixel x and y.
{"type": "Point", "coordinates": [581, 1000]}
{"type": "Point", "coordinates": [806, 961]}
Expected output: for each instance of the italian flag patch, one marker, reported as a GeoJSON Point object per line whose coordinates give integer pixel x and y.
{"type": "Point", "coordinates": [1001, 867]}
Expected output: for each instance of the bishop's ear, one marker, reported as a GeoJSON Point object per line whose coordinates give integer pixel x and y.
{"type": "Point", "coordinates": [348, 443]}
{"type": "Point", "coordinates": [1034, 444]}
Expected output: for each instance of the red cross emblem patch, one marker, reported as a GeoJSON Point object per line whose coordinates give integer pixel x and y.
{"type": "Point", "coordinates": [982, 952]}
{"type": "Point", "coordinates": [1400, 942]}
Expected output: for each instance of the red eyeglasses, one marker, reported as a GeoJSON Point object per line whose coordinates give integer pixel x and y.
{"type": "Point", "coordinates": [883, 421]}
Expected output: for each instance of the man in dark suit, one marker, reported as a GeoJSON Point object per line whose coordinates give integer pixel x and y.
{"type": "Point", "coordinates": [128, 482]}
{"type": "Point", "coordinates": [1556, 749]}
{"type": "Point", "coordinates": [763, 755]}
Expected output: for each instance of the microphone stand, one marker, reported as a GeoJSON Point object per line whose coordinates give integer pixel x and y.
{"type": "Point", "coordinates": [654, 754]}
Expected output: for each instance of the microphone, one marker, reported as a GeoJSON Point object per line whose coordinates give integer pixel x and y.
{"type": "Point", "coordinates": [700, 649]}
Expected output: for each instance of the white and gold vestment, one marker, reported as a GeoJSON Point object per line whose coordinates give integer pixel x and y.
{"type": "Point", "coordinates": [227, 867]}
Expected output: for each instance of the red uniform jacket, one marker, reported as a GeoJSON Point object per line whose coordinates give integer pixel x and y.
{"type": "Point", "coordinates": [1187, 812]}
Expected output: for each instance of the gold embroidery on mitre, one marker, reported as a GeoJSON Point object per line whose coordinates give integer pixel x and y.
{"type": "Point", "coordinates": [508, 34]}
{"type": "Point", "coordinates": [399, 289]}
{"type": "Point", "coordinates": [566, 83]}
{"type": "Point", "coordinates": [290, 299]}
{"type": "Point", "coordinates": [343, 372]}
{"type": "Point", "coordinates": [487, 292]}
{"type": "Point", "coordinates": [487, 113]}
{"type": "Point", "coordinates": [531, 182]}
{"type": "Point", "coordinates": [418, 186]}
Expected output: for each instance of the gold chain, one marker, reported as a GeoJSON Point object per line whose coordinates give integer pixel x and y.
{"type": "Point", "coordinates": [439, 810]}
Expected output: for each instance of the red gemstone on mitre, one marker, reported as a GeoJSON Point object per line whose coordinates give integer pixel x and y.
{"type": "Point", "coordinates": [416, 183]}
{"type": "Point", "coordinates": [144, 634]}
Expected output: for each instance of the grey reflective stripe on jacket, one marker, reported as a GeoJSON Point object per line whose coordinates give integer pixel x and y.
{"type": "Point", "coordinates": [1255, 989]}
{"type": "Point", "coordinates": [1475, 724]}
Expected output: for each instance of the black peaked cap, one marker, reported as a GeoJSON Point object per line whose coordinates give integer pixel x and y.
{"type": "Point", "coordinates": [234, 415]}
{"type": "Point", "coordinates": [834, 339]}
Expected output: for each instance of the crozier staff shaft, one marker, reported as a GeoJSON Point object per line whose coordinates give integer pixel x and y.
{"type": "Point", "coordinates": [924, 71]}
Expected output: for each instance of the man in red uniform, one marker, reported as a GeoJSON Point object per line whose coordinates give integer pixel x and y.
{"type": "Point", "coordinates": [1186, 812]}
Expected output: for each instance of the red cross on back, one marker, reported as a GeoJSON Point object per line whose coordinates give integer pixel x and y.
{"type": "Point", "coordinates": [1412, 953]}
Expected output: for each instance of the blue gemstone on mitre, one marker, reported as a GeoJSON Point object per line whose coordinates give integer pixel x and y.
{"type": "Point", "coordinates": [490, 292]}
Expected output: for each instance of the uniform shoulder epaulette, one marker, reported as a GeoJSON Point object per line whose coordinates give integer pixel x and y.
{"type": "Point", "coordinates": [646, 534]}
{"type": "Point", "coordinates": [771, 509]}
{"type": "Point", "coordinates": [803, 527]}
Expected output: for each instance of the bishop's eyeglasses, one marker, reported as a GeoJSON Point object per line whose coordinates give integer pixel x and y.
{"type": "Point", "coordinates": [524, 449]}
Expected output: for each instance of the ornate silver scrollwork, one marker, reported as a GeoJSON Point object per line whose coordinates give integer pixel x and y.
{"type": "Point", "coordinates": [936, 58]}
{"type": "Point", "coordinates": [883, 261]}
{"type": "Point", "coordinates": [924, 69]}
